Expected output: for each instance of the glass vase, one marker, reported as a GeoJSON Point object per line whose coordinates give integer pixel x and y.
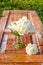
{"type": "Point", "coordinates": [19, 43]}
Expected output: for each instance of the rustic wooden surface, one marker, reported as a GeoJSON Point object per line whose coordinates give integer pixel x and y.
{"type": "Point", "coordinates": [14, 56]}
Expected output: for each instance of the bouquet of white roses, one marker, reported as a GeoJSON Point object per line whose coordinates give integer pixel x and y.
{"type": "Point", "coordinates": [21, 27]}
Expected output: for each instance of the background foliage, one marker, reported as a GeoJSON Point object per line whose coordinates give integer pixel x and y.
{"type": "Point", "coordinates": [23, 5]}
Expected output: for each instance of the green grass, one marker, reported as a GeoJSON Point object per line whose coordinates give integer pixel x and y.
{"type": "Point", "coordinates": [41, 16]}
{"type": "Point", "coordinates": [23, 5]}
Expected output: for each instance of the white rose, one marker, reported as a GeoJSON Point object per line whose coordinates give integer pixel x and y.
{"type": "Point", "coordinates": [22, 26]}
{"type": "Point", "coordinates": [31, 49]}
{"type": "Point", "coordinates": [12, 26]}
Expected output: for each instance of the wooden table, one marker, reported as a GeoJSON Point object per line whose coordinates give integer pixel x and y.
{"type": "Point", "coordinates": [13, 56]}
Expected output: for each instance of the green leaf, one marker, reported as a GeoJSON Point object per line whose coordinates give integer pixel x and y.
{"type": "Point", "coordinates": [15, 32]}
{"type": "Point", "coordinates": [1, 13]}
{"type": "Point", "coordinates": [22, 45]}
{"type": "Point", "coordinates": [19, 45]}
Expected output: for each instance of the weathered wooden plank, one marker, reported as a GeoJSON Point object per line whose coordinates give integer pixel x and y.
{"type": "Point", "coordinates": [29, 64]}
{"type": "Point", "coordinates": [4, 19]}
{"type": "Point", "coordinates": [3, 22]}
{"type": "Point", "coordinates": [20, 63]}
{"type": "Point", "coordinates": [38, 42]}
{"type": "Point", "coordinates": [20, 58]}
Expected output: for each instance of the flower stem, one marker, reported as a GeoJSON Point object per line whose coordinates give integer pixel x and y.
{"type": "Point", "coordinates": [19, 40]}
